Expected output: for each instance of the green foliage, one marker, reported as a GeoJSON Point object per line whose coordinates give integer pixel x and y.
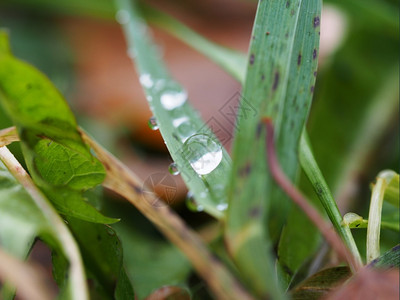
{"type": "Point", "coordinates": [128, 260]}
{"type": "Point", "coordinates": [59, 162]}
{"type": "Point", "coordinates": [279, 84]}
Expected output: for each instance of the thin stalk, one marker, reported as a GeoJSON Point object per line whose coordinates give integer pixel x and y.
{"type": "Point", "coordinates": [330, 235]}
{"type": "Point", "coordinates": [122, 181]}
{"type": "Point", "coordinates": [314, 174]}
{"type": "Point", "coordinates": [375, 214]}
{"type": "Point", "coordinates": [78, 284]}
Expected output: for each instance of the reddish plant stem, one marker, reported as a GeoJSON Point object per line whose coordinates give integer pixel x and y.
{"type": "Point", "coordinates": [327, 231]}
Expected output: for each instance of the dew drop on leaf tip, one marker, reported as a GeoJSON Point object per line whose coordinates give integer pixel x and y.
{"type": "Point", "coordinates": [153, 123]}
{"type": "Point", "coordinates": [173, 169]}
{"type": "Point", "coordinates": [192, 204]}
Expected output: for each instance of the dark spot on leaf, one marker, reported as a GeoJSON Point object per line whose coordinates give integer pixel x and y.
{"type": "Point", "coordinates": [315, 74]}
{"type": "Point", "coordinates": [287, 4]}
{"type": "Point", "coordinates": [276, 81]}
{"type": "Point", "coordinates": [262, 77]}
{"type": "Point", "coordinates": [255, 212]}
{"type": "Point", "coordinates": [292, 12]}
{"type": "Point", "coordinates": [314, 54]}
{"type": "Point", "coordinates": [253, 37]}
{"type": "Point", "coordinates": [252, 59]}
{"type": "Point", "coordinates": [98, 237]}
{"type": "Point", "coordinates": [267, 33]}
{"type": "Point", "coordinates": [316, 22]}
{"type": "Point", "coordinates": [175, 137]}
{"type": "Point", "coordinates": [245, 171]}
{"type": "Point", "coordinates": [286, 34]}
{"type": "Point", "coordinates": [299, 59]}
{"type": "Point", "coordinates": [259, 129]}
{"type": "Point", "coordinates": [312, 89]}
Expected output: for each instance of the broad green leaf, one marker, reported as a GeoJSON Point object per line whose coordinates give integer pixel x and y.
{"type": "Point", "coordinates": [321, 283]}
{"type": "Point", "coordinates": [59, 162]}
{"type": "Point", "coordinates": [25, 216]}
{"type": "Point", "coordinates": [279, 84]}
{"type": "Point", "coordinates": [201, 159]}
{"type": "Point", "coordinates": [103, 257]}
{"type": "Point", "coordinates": [147, 258]}
{"type": "Point", "coordinates": [390, 259]}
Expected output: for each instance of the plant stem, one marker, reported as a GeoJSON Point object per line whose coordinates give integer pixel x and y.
{"type": "Point", "coordinates": [122, 181]}
{"type": "Point", "coordinates": [79, 290]}
{"type": "Point", "coordinates": [375, 212]}
{"type": "Point", "coordinates": [314, 174]}
{"type": "Point", "coordinates": [330, 235]}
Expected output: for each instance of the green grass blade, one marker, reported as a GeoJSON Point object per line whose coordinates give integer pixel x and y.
{"type": "Point", "coordinates": [388, 260]}
{"type": "Point", "coordinates": [231, 61]}
{"type": "Point", "coordinates": [176, 118]}
{"type": "Point", "coordinates": [321, 188]}
{"type": "Point", "coordinates": [279, 83]}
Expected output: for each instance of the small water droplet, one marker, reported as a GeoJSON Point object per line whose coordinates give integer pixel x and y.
{"type": "Point", "coordinates": [222, 206]}
{"type": "Point", "coordinates": [146, 81]}
{"type": "Point", "coordinates": [192, 204]}
{"type": "Point", "coordinates": [173, 99]}
{"type": "Point", "coordinates": [178, 121]}
{"type": "Point", "coordinates": [132, 53]}
{"type": "Point", "coordinates": [173, 169]}
{"type": "Point", "coordinates": [153, 123]}
{"type": "Point", "coordinates": [122, 16]}
{"type": "Point", "coordinates": [203, 152]}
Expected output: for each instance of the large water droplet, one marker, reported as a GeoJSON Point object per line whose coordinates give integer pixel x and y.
{"type": "Point", "coordinates": [146, 81]}
{"type": "Point", "coordinates": [173, 169]}
{"type": "Point", "coordinates": [122, 16]}
{"type": "Point", "coordinates": [153, 123]}
{"type": "Point", "coordinates": [192, 204]}
{"type": "Point", "coordinates": [203, 152]}
{"type": "Point", "coordinates": [173, 99]}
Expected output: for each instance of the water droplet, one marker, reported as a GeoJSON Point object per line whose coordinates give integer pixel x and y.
{"type": "Point", "coordinates": [146, 81]}
{"type": "Point", "coordinates": [222, 206]}
{"type": "Point", "coordinates": [203, 152]}
{"type": "Point", "coordinates": [122, 16]}
{"type": "Point", "coordinates": [153, 123]}
{"type": "Point", "coordinates": [173, 169]}
{"type": "Point", "coordinates": [178, 121]}
{"type": "Point", "coordinates": [173, 99]}
{"type": "Point", "coordinates": [192, 204]}
{"type": "Point", "coordinates": [132, 53]}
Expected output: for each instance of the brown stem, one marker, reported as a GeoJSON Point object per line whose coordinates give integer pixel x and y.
{"type": "Point", "coordinates": [327, 231]}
